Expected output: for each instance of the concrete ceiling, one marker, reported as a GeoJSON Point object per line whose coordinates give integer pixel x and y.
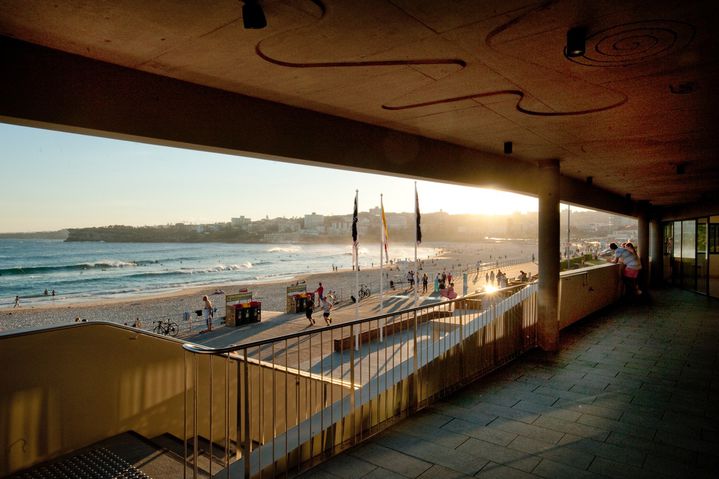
{"type": "Point", "coordinates": [633, 111]}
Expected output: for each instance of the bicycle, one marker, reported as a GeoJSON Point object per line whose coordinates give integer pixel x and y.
{"type": "Point", "coordinates": [364, 291]}
{"type": "Point", "coordinates": [167, 328]}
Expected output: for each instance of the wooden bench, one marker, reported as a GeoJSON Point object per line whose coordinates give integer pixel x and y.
{"type": "Point", "coordinates": [472, 304]}
{"type": "Point", "coordinates": [347, 342]}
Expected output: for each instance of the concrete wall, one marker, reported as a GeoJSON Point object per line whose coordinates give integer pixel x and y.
{"type": "Point", "coordinates": [584, 291]}
{"type": "Point", "coordinates": [63, 389]}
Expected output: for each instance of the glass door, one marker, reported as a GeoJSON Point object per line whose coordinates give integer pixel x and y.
{"type": "Point", "coordinates": [677, 254]}
{"type": "Point", "coordinates": [667, 252]}
{"type": "Point", "coordinates": [702, 271]}
{"type": "Point", "coordinates": [689, 271]}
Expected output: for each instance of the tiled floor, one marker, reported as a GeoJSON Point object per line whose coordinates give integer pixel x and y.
{"type": "Point", "coordinates": [634, 392]}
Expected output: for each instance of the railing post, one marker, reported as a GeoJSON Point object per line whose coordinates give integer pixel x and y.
{"type": "Point", "coordinates": [462, 312]}
{"type": "Point", "coordinates": [210, 406]}
{"type": "Point", "coordinates": [352, 386]}
{"type": "Point", "coordinates": [414, 397]}
{"type": "Point", "coordinates": [195, 440]}
{"type": "Point", "coordinates": [184, 417]}
{"type": "Point", "coordinates": [247, 446]}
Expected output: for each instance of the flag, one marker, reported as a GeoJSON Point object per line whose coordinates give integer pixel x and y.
{"type": "Point", "coordinates": [385, 235]}
{"type": "Point", "coordinates": [416, 212]}
{"type": "Point", "coordinates": [354, 222]}
{"type": "Point", "coordinates": [354, 231]}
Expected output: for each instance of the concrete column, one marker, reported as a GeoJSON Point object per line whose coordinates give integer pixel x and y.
{"type": "Point", "coordinates": [643, 248]}
{"type": "Point", "coordinates": [548, 254]}
{"type": "Point", "coordinates": [656, 254]}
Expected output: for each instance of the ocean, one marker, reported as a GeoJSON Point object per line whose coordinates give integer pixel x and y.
{"type": "Point", "coordinates": [83, 271]}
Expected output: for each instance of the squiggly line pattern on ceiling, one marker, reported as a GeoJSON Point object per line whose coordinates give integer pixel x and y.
{"type": "Point", "coordinates": [632, 43]}
{"type": "Point", "coordinates": [518, 93]}
{"type": "Point", "coordinates": [607, 43]}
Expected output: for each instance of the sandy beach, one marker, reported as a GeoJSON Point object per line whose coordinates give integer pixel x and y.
{"type": "Point", "coordinates": [172, 305]}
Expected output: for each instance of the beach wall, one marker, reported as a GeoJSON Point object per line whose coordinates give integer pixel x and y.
{"type": "Point", "coordinates": [65, 388]}
{"type": "Point", "coordinates": [586, 290]}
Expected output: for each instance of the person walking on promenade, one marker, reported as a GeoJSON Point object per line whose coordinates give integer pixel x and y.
{"type": "Point", "coordinates": [207, 312]}
{"type": "Point", "coordinates": [425, 280]}
{"type": "Point", "coordinates": [326, 307]}
{"type": "Point", "coordinates": [17, 302]}
{"type": "Point", "coordinates": [320, 294]}
{"type": "Point", "coordinates": [309, 309]}
{"type": "Point", "coordinates": [491, 277]}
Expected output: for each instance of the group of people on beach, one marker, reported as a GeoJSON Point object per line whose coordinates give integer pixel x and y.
{"type": "Point", "coordinates": [17, 298]}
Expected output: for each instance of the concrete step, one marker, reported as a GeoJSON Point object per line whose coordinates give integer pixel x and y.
{"type": "Point", "coordinates": [125, 456]}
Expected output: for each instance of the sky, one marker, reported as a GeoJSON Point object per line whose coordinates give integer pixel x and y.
{"type": "Point", "coordinates": [53, 180]}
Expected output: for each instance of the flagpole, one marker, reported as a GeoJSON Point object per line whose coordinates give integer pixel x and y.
{"type": "Point", "coordinates": [381, 259]}
{"type": "Point", "coordinates": [356, 243]}
{"type": "Point", "coordinates": [416, 270]}
{"type": "Point", "coordinates": [381, 262]}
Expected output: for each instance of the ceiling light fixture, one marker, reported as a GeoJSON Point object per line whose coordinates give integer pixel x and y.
{"type": "Point", "coordinates": [576, 39]}
{"type": "Point", "coordinates": [681, 168]}
{"type": "Point", "coordinates": [590, 180]}
{"type": "Point", "coordinates": [253, 17]}
{"type": "Point", "coordinates": [507, 147]}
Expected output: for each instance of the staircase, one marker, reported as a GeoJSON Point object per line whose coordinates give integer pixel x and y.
{"type": "Point", "coordinates": [126, 456]}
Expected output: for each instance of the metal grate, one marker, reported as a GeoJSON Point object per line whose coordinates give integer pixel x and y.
{"type": "Point", "coordinates": [98, 463]}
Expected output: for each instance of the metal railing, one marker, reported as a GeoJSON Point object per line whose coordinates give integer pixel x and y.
{"type": "Point", "coordinates": [278, 406]}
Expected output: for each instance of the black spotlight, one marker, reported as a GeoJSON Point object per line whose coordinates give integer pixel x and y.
{"type": "Point", "coordinates": [590, 180]}
{"type": "Point", "coordinates": [252, 14]}
{"type": "Point", "coordinates": [507, 147]}
{"type": "Point", "coordinates": [576, 38]}
{"type": "Point", "coordinates": [681, 168]}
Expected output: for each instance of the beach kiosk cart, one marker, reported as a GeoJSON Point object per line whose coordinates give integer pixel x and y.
{"type": "Point", "coordinates": [241, 309]}
{"type": "Point", "coordinates": [297, 298]}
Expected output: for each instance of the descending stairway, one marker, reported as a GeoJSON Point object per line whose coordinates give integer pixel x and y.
{"type": "Point", "coordinates": [174, 445]}
{"type": "Point", "coordinates": [94, 463]}
{"type": "Point", "coordinates": [125, 456]}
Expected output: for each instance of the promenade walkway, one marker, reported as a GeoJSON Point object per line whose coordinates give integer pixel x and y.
{"type": "Point", "coordinates": [632, 393]}
{"type": "Point", "coordinates": [276, 323]}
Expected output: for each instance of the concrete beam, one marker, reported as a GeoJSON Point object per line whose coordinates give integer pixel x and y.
{"type": "Point", "coordinates": [693, 210]}
{"type": "Point", "coordinates": [57, 90]}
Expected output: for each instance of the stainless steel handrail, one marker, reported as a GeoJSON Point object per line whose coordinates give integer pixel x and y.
{"type": "Point", "coordinates": [201, 349]}
{"type": "Point", "coordinates": [290, 404]}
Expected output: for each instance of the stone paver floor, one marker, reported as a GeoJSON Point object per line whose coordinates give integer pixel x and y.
{"type": "Point", "coordinates": [634, 392]}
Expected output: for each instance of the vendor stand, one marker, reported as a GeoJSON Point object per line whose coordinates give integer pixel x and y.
{"type": "Point", "coordinates": [241, 309]}
{"type": "Point", "coordinates": [297, 296]}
